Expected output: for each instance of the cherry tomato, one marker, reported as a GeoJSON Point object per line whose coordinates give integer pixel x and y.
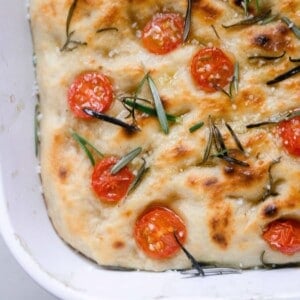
{"type": "Point", "coordinates": [91, 90]}
{"type": "Point", "coordinates": [289, 132]}
{"type": "Point", "coordinates": [111, 187]}
{"type": "Point", "coordinates": [283, 235]}
{"type": "Point", "coordinates": [154, 232]}
{"type": "Point", "coordinates": [211, 69]}
{"type": "Point", "coordinates": [163, 33]}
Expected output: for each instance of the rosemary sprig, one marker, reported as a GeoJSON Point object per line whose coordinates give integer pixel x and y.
{"type": "Point", "coordinates": [140, 174]}
{"type": "Point", "coordinates": [292, 26]}
{"type": "Point", "coordinates": [199, 270]}
{"type": "Point", "coordinates": [296, 60]}
{"type": "Point", "coordinates": [275, 266]}
{"type": "Point", "coordinates": [209, 142]}
{"type": "Point", "coordinates": [276, 119]}
{"type": "Point", "coordinates": [107, 29]}
{"type": "Point", "coordinates": [196, 127]}
{"type": "Point", "coordinates": [36, 129]}
{"type": "Point", "coordinates": [250, 21]}
{"type": "Point", "coordinates": [146, 109]}
{"type": "Point", "coordinates": [125, 160]}
{"type": "Point", "coordinates": [112, 120]}
{"type": "Point", "coordinates": [270, 189]}
{"type": "Point", "coordinates": [67, 45]}
{"type": "Point", "coordinates": [263, 57]}
{"type": "Point", "coordinates": [284, 76]}
{"type": "Point", "coordinates": [161, 114]}
{"type": "Point", "coordinates": [187, 21]}
{"type": "Point", "coordinates": [234, 136]}
{"type": "Point", "coordinates": [231, 160]}
{"type": "Point", "coordinates": [83, 144]}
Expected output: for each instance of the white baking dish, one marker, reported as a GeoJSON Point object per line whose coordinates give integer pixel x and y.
{"type": "Point", "coordinates": [28, 231]}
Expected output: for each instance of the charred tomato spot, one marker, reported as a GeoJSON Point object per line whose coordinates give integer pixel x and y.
{"type": "Point", "coordinates": [118, 244]}
{"type": "Point", "coordinates": [270, 211]}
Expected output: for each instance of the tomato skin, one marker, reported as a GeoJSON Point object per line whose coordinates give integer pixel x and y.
{"type": "Point", "coordinates": [91, 90]}
{"type": "Point", "coordinates": [289, 132]}
{"type": "Point", "coordinates": [108, 187]}
{"type": "Point", "coordinates": [211, 69]}
{"type": "Point", "coordinates": [163, 33]}
{"type": "Point", "coordinates": [154, 232]}
{"type": "Point", "coordinates": [283, 235]}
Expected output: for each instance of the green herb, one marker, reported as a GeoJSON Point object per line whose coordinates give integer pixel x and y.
{"type": "Point", "coordinates": [292, 26]}
{"type": "Point", "coordinates": [232, 160]}
{"type": "Point", "coordinates": [234, 84]}
{"type": "Point", "coordinates": [276, 266]}
{"type": "Point", "coordinates": [266, 57]}
{"type": "Point", "coordinates": [36, 128]}
{"type": "Point", "coordinates": [146, 109]}
{"type": "Point", "coordinates": [203, 270]}
{"type": "Point", "coordinates": [70, 44]}
{"type": "Point", "coordinates": [257, 5]}
{"type": "Point", "coordinates": [270, 188]}
{"type": "Point", "coordinates": [245, 5]}
{"type": "Point", "coordinates": [196, 127]}
{"type": "Point", "coordinates": [187, 21]}
{"type": "Point", "coordinates": [269, 19]}
{"type": "Point", "coordinates": [125, 160]}
{"type": "Point", "coordinates": [209, 142]}
{"type": "Point", "coordinates": [140, 174]}
{"type": "Point", "coordinates": [250, 21]}
{"type": "Point", "coordinates": [294, 59]}
{"type": "Point", "coordinates": [215, 31]}
{"type": "Point", "coordinates": [276, 119]}
{"type": "Point", "coordinates": [112, 120]}
{"type": "Point", "coordinates": [161, 114]}
{"type": "Point", "coordinates": [234, 136]}
{"type": "Point", "coordinates": [84, 145]}
{"type": "Point", "coordinates": [107, 29]}
{"type": "Point", "coordinates": [285, 76]}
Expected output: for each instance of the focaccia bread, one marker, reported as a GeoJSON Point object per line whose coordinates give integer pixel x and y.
{"type": "Point", "coordinates": [214, 158]}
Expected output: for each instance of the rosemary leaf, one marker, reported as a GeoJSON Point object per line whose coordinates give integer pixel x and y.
{"type": "Point", "coordinates": [218, 139]}
{"type": "Point", "coordinates": [235, 80]}
{"type": "Point", "coordinates": [266, 57]}
{"type": "Point", "coordinates": [161, 114]}
{"type": "Point", "coordinates": [36, 129]}
{"type": "Point", "coordinates": [259, 124]}
{"type": "Point", "coordinates": [250, 21]}
{"type": "Point", "coordinates": [284, 76]}
{"type": "Point", "coordinates": [215, 31]}
{"type": "Point", "coordinates": [125, 160]}
{"type": "Point", "coordinates": [83, 144]}
{"type": "Point", "coordinates": [233, 134]}
{"type": "Point", "coordinates": [294, 59]}
{"type": "Point", "coordinates": [147, 109]}
{"type": "Point", "coordinates": [107, 29]}
{"type": "Point", "coordinates": [232, 160]}
{"type": "Point", "coordinates": [112, 120]}
{"type": "Point", "coordinates": [245, 4]}
{"type": "Point", "coordinates": [194, 262]}
{"type": "Point", "coordinates": [196, 127]}
{"type": "Point", "coordinates": [209, 142]}
{"type": "Point", "coordinates": [141, 172]}
{"type": "Point", "coordinates": [70, 16]}
{"type": "Point", "coordinates": [187, 21]}
{"type": "Point", "coordinates": [292, 26]}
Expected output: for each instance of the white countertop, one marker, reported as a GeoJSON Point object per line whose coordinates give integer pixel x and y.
{"type": "Point", "coordinates": [15, 284]}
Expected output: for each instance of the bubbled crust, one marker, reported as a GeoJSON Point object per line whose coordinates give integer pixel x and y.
{"type": "Point", "coordinates": [221, 204]}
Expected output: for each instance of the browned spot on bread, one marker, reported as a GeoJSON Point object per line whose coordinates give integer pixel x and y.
{"type": "Point", "coordinates": [127, 213]}
{"type": "Point", "coordinates": [179, 150]}
{"type": "Point", "coordinates": [270, 210]}
{"type": "Point", "coordinates": [210, 181]}
{"type": "Point", "coordinates": [62, 173]}
{"type": "Point", "coordinates": [207, 10]}
{"type": "Point", "coordinates": [118, 244]}
{"type": "Point", "coordinates": [250, 99]}
{"type": "Point", "coordinates": [220, 225]}
{"type": "Point", "coordinates": [271, 38]}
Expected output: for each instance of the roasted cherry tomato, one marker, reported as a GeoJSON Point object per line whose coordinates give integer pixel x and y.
{"type": "Point", "coordinates": [211, 69]}
{"type": "Point", "coordinates": [289, 132]}
{"type": "Point", "coordinates": [108, 187]}
{"type": "Point", "coordinates": [154, 232]}
{"type": "Point", "coordinates": [283, 235]}
{"type": "Point", "coordinates": [91, 90]}
{"type": "Point", "coordinates": [163, 33]}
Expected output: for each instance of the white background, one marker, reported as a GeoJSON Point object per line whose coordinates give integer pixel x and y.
{"type": "Point", "coordinates": [15, 284]}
